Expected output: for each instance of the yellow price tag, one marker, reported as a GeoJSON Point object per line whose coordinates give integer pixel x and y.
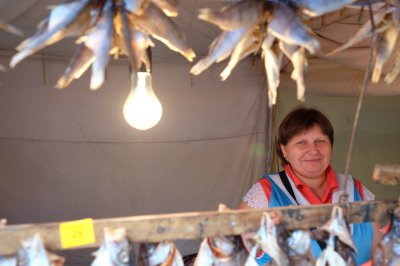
{"type": "Point", "coordinates": [77, 233]}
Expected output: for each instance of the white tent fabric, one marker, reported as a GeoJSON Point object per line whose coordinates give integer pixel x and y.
{"type": "Point", "coordinates": [69, 154]}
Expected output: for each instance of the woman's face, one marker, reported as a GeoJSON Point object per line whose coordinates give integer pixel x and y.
{"type": "Point", "coordinates": [309, 153]}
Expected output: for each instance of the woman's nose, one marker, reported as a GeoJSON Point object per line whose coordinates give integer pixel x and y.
{"type": "Point", "coordinates": [314, 148]}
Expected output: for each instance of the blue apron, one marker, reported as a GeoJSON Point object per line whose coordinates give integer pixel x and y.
{"type": "Point", "coordinates": [362, 233]}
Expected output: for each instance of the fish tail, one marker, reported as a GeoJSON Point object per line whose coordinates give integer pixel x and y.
{"type": "Point", "coordinates": [20, 56]}
{"type": "Point", "coordinates": [225, 73]}
{"type": "Point", "coordinates": [301, 89]}
{"type": "Point", "coordinates": [376, 74]}
{"type": "Point", "coordinates": [390, 77]}
{"type": "Point", "coordinates": [189, 55]}
{"type": "Point", "coordinates": [63, 82]}
{"type": "Point", "coordinates": [202, 65]}
{"type": "Point", "coordinates": [206, 14]}
{"type": "Point", "coordinates": [272, 93]}
{"type": "Point", "coordinates": [98, 76]}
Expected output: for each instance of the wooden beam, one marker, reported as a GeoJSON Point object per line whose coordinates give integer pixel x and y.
{"type": "Point", "coordinates": [194, 225]}
{"type": "Point", "coordinates": [387, 174]}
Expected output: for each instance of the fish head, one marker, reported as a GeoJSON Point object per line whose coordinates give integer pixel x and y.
{"type": "Point", "coordinates": [222, 246]}
{"type": "Point", "coordinates": [32, 252]}
{"type": "Point", "coordinates": [118, 246]}
{"type": "Point", "coordinates": [299, 242]}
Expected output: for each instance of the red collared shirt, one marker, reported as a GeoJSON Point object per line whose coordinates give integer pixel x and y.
{"type": "Point", "coordinates": [331, 186]}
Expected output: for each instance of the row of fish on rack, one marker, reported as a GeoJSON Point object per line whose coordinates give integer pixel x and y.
{"type": "Point", "coordinates": [283, 246]}
{"type": "Point", "coordinates": [277, 27]}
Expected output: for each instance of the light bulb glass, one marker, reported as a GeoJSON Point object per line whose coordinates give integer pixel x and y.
{"type": "Point", "coordinates": [142, 109]}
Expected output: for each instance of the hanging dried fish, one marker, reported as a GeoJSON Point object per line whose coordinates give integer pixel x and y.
{"type": "Point", "coordinates": [160, 254]}
{"type": "Point", "coordinates": [33, 253]}
{"type": "Point", "coordinates": [238, 15]}
{"type": "Point", "coordinates": [249, 43]}
{"type": "Point", "coordinates": [221, 251]}
{"type": "Point", "coordinates": [297, 55]}
{"type": "Point", "coordinates": [288, 27]}
{"type": "Point", "coordinates": [153, 21]}
{"type": "Point", "coordinates": [8, 261]}
{"type": "Point", "coordinates": [366, 29]}
{"type": "Point", "coordinates": [266, 239]}
{"type": "Point", "coordinates": [115, 249]}
{"type": "Point", "coordinates": [104, 28]}
{"type": "Point", "coordinates": [338, 226]}
{"type": "Point", "coordinates": [272, 64]}
{"type": "Point", "coordinates": [329, 256]}
{"type": "Point", "coordinates": [340, 248]}
{"type": "Point", "coordinates": [298, 244]}
{"type": "Point", "coordinates": [384, 49]}
{"type": "Point", "coordinates": [254, 24]}
{"type": "Point", "coordinates": [315, 8]}
{"type": "Point", "coordinates": [169, 7]}
{"type": "Point", "coordinates": [388, 250]}
{"type": "Point", "coordinates": [10, 28]}
{"type": "Point", "coordinates": [65, 20]}
{"type": "Point", "coordinates": [220, 49]}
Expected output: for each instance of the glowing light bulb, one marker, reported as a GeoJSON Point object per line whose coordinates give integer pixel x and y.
{"type": "Point", "coordinates": [142, 109]}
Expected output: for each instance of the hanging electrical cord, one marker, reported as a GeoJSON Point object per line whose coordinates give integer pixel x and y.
{"type": "Point", "coordinates": [344, 196]}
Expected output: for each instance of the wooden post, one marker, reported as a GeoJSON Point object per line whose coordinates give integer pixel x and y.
{"type": "Point", "coordinates": [387, 174]}
{"type": "Point", "coordinates": [195, 225]}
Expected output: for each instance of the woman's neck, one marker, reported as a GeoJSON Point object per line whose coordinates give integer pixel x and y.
{"type": "Point", "coordinates": [317, 186]}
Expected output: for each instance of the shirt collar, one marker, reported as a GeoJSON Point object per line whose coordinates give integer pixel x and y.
{"type": "Point", "coordinates": [331, 180]}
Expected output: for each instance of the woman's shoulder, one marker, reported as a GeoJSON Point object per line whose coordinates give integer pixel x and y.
{"type": "Point", "coordinates": [255, 197]}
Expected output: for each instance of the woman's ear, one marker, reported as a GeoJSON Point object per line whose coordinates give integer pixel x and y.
{"type": "Point", "coordinates": [283, 149]}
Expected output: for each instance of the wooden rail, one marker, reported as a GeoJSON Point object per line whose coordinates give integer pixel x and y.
{"type": "Point", "coordinates": [387, 174]}
{"type": "Point", "coordinates": [194, 225]}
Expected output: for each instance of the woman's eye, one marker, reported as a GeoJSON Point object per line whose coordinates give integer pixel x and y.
{"type": "Point", "coordinates": [301, 142]}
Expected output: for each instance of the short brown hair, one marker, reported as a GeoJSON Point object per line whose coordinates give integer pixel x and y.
{"type": "Point", "coordinates": [298, 121]}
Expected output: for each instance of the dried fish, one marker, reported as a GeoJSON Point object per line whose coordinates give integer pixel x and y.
{"type": "Point", "coordinates": [272, 63]}
{"type": "Point", "coordinates": [169, 7]}
{"type": "Point", "coordinates": [81, 61]}
{"type": "Point", "coordinates": [366, 29]}
{"type": "Point", "coordinates": [288, 27]}
{"type": "Point", "coordinates": [329, 256]}
{"type": "Point", "coordinates": [220, 49]}
{"type": "Point", "coordinates": [345, 252]}
{"type": "Point", "coordinates": [299, 248]}
{"type": "Point", "coordinates": [104, 28]}
{"type": "Point", "coordinates": [297, 56]}
{"type": "Point", "coordinates": [131, 41]}
{"type": "Point", "coordinates": [99, 40]}
{"type": "Point", "coordinates": [115, 249]}
{"type": "Point", "coordinates": [66, 20]}
{"type": "Point", "coordinates": [238, 15]}
{"type": "Point", "coordinates": [8, 261]}
{"type": "Point", "coordinates": [33, 253]}
{"type": "Point", "coordinates": [10, 28]}
{"type": "Point", "coordinates": [221, 251]}
{"type": "Point", "coordinates": [384, 49]}
{"type": "Point", "coordinates": [160, 254]}
{"type": "Point", "coordinates": [249, 43]}
{"type": "Point", "coordinates": [315, 8]}
{"type": "Point", "coordinates": [338, 226]}
{"type": "Point", "coordinates": [391, 76]}
{"type": "Point", "coordinates": [136, 6]}
{"type": "Point", "coordinates": [267, 240]}
{"type": "Point", "coordinates": [388, 251]}
{"type": "Point", "coordinates": [154, 22]}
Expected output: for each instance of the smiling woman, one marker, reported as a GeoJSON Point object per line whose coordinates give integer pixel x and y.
{"type": "Point", "coordinates": [304, 146]}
